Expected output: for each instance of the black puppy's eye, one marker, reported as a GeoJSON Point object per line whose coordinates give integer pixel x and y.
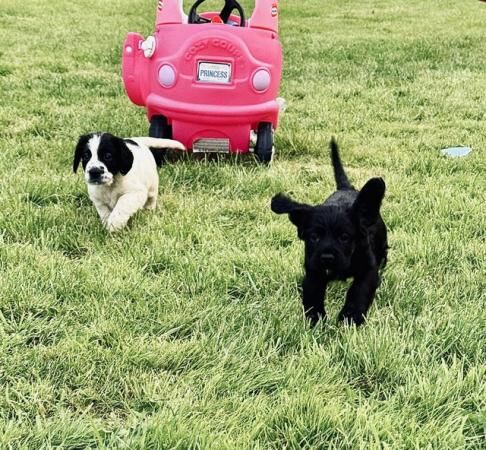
{"type": "Point", "coordinates": [345, 237]}
{"type": "Point", "coordinates": [314, 237]}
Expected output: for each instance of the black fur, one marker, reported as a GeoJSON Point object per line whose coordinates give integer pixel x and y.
{"type": "Point", "coordinates": [82, 152]}
{"type": "Point", "coordinates": [112, 152]}
{"type": "Point", "coordinates": [344, 237]}
{"type": "Point", "coordinates": [115, 154]}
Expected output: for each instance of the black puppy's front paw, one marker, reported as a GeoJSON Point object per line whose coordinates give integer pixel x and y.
{"type": "Point", "coordinates": [314, 317]}
{"type": "Point", "coordinates": [352, 317]}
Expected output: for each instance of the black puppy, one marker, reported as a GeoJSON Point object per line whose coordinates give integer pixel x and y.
{"type": "Point", "coordinates": [344, 237]}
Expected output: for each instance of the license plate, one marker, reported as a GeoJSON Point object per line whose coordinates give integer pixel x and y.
{"type": "Point", "coordinates": [208, 72]}
{"type": "Point", "coordinates": [211, 145]}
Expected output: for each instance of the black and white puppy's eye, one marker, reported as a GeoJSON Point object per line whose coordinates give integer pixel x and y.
{"type": "Point", "coordinates": [86, 154]}
{"type": "Point", "coordinates": [108, 156]}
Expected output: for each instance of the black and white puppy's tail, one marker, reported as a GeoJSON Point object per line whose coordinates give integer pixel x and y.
{"type": "Point", "coordinates": [159, 146]}
{"type": "Point", "coordinates": [342, 181]}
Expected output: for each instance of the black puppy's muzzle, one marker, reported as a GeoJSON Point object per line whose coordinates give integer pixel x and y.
{"type": "Point", "coordinates": [327, 260]}
{"type": "Point", "coordinates": [323, 260]}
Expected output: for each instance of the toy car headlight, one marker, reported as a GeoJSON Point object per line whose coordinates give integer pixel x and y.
{"type": "Point", "coordinates": [148, 47]}
{"type": "Point", "coordinates": [261, 80]}
{"type": "Point", "coordinates": [167, 76]}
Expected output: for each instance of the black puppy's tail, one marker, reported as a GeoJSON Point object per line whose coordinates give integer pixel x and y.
{"type": "Point", "coordinates": [340, 176]}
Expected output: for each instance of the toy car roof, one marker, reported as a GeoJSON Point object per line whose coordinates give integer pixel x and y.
{"type": "Point", "coordinates": [264, 16]}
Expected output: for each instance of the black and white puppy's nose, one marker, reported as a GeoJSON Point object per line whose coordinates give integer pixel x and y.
{"type": "Point", "coordinates": [95, 172]}
{"type": "Point", "coordinates": [327, 259]}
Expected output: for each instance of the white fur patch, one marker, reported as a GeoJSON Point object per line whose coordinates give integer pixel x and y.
{"type": "Point", "coordinates": [95, 163]}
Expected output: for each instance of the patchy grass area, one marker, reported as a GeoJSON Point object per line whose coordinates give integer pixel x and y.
{"type": "Point", "coordinates": [185, 330]}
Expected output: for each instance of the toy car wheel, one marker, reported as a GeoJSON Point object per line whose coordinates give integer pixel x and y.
{"type": "Point", "coordinates": [264, 143]}
{"type": "Point", "coordinates": [159, 128]}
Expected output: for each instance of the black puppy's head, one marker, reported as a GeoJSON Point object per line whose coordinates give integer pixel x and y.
{"type": "Point", "coordinates": [102, 156]}
{"type": "Point", "coordinates": [334, 230]}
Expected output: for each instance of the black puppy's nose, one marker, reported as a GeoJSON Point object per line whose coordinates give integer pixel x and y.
{"type": "Point", "coordinates": [327, 258]}
{"type": "Point", "coordinates": [95, 172]}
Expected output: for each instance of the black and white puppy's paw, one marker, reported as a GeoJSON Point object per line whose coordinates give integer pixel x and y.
{"type": "Point", "coordinates": [344, 237]}
{"type": "Point", "coordinates": [121, 174]}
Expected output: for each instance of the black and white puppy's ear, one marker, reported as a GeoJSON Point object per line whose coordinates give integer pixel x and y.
{"type": "Point", "coordinates": [81, 146]}
{"type": "Point", "coordinates": [125, 156]}
{"type": "Point", "coordinates": [298, 212]}
{"type": "Point", "coordinates": [366, 207]}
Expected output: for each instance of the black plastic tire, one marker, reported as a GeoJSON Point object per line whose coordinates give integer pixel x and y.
{"type": "Point", "coordinates": [264, 143]}
{"type": "Point", "coordinates": [159, 128]}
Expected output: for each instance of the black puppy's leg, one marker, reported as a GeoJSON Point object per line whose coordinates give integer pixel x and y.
{"type": "Point", "coordinates": [313, 292]}
{"type": "Point", "coordinates": [360, 297]}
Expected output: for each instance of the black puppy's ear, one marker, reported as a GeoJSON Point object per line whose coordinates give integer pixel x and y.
{"type": "Point", "coordinates": [125, 155]}
{"type": "Point", "coordinates": [281, 204]}
{"type": "Point", "coordinates": [366, 207]}
{"type": "Point", "coordinates": [298, 212]}
{"type": "Point", "coordinates": [80, 147]}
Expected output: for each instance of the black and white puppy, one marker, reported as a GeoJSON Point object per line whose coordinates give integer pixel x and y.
{"type": "Point", "coordinates": [344, 237]}
{"type": "Point", "coordinates": [121, 174]}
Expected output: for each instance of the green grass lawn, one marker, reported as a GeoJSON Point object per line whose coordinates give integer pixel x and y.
{"type": "Point", "coordinates": [186, 330]}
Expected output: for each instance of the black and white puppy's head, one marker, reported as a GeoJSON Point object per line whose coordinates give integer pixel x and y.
{"type": "Point", "coordinates": [103, 156]}
{"type": "Point", "coordinates": [334, 230]}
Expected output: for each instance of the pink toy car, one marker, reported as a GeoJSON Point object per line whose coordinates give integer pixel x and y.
{"type": "Point", "coordinates": [208, 80]}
